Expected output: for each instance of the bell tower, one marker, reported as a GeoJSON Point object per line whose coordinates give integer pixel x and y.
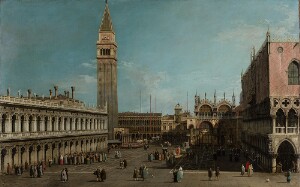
{"type": "Point", "coordinates": [107, 71]}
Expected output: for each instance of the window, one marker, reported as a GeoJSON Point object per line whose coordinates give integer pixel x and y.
{"type": "Point", "coordinates": [293, 73]}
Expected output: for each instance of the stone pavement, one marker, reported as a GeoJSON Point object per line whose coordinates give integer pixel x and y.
{"type": "Point", "coordinates": [160, 175]}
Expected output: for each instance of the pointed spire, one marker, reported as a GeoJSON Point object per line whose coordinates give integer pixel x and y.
{"type": "Point", "coordinates": [233, 98]}
{"type": "Point", "coordinates": [205, 96]}
{"type": "Point", "coordinates": [224, 95]}
{"type": "Point", "coordinates": [215, 98]}
{"type": "Point", "coordinates": [106, 23]}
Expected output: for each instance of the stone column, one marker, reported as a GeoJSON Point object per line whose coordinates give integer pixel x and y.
{"type": "Point", "coordinates": [88, 122]}
{"type": "Point", "coordinates": [1, 130]}
{"type": "Point", "coordinates": [68, 124]}
{"type": "Point", "coordinates": [42, 124]}
{"type": "Point", "coordinates": [34, 154]}
{"type": "Point", "coordinates": [73, 124]}
{"type": "Point", "coordinates": [273, 124]}
{"type": "Point", "coordinates": [274, 156]}
{"type": "Point", "coordinates": [8, 124]}
{"type": "Point", "coordinates": [298, 124]}
{"type": "Point", "coordinates": [286, 124]}
{"type": "Point", "coordinates": [34, 124]}
{"type": "Point", "coordinates": [49, 124]}
{"type": "Point", "coordinates": [17, 124]}
{"type": "Point", "coordinates": [26, 124]}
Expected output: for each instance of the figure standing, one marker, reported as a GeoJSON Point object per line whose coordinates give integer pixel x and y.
{"type": "Point", "coordinates": [179, 174]}
{"type": "Point", "coordinates": [135, 174]}
{"type": "Point", "coordinates": [217, 173]}
{"type": "Point", "coordinates": [243, 170]}
{"type": "Point", "coordinates": [209, 174]}
{"type": "Point", "coordinates": [288, 176]}
{"type": "Point", "coordinates": [103, 175]}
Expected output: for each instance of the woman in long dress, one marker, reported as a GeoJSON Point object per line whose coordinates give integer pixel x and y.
{"type": "Point", "coordinates": [243, 170]}
{"type": "Point", "coordinates": [179, 174]}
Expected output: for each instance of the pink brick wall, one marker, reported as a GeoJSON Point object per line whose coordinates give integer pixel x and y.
{"type": "Point", "coordinates": [278, 68]}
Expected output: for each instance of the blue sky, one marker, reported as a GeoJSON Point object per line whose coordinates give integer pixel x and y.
{"type": "Point", "coordinates": [166, 48]}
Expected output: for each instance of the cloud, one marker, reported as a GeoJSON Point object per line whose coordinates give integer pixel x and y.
{"type": "Point", "coordinates": [87, 79]}
{"type": "Point", "coordinates": [254, 33]}
{"type": "Point", "coordinates": [91, 64]}
{"type": "Point", "coordinates": [142, 77]}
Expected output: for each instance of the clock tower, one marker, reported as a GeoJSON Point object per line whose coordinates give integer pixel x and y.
{"type": "Point", "coordinates": [107, 71]}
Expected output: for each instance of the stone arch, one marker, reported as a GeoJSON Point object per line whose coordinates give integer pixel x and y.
{"type": "Point", "coordinates": [59, 128]}
{"type": "Point", "coordinates": [191, 126]}
{"type": "Point", "coordinates": [30, 123]}
{"type": "Point", "coordinates": [52, 124]}
{"type": "Point", "coordinates": [280, 120]}
{"type": "Point", "coordinates": [3, 158]}
{"type": "Point", "coordinates": [22, 128]}
{"type": "Point", "coordinates": [224, 110]}
{"type": "Point", "coordinates": [286, 152]}
{"type": "Point", "coordinates": [292, 121]}
{"type": "Point", "coordinates": [38, 123]}
{"type": "Point", "coordinates": [205, 126]}
{"type": "Point", "coordinates": [13, 123]}
{"type": "Point", "coordinates": [4, 116]}
{"type": "Point", "coordinates": [205, 109]}
{"type": "Point", "coordinates": [46, 121]}
{"type": "Point", "coordinates": [23, 156]}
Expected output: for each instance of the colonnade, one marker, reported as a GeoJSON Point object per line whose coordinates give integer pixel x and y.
{"type": "Point", "coordinates": [34, 152]}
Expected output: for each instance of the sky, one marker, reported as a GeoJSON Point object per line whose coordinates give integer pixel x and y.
{"type": "Point", "coordinates": [169, 49]}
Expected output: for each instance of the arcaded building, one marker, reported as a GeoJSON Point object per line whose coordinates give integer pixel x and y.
{"type": "Point", "coordinates": [35, 129]}
{"type": "Point", "coordinates": [215, 122]}
{"type": "Point", "coordinates": [270, 104]}
{"type": "Point", "coordinates": [141, 125]}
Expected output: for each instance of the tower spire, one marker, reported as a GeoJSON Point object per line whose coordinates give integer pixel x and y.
{"type": "Point", "coordinates": [106, 23]}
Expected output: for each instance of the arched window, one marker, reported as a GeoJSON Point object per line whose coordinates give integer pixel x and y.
{"type": "Point", "coordinates": [293, 73]}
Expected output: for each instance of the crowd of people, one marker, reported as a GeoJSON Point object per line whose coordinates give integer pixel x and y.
{"type": "Point", "coordinates": [80, 158]}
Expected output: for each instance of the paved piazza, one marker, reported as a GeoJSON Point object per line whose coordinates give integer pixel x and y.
{"type": "Point", "coordinates": [81, 175]}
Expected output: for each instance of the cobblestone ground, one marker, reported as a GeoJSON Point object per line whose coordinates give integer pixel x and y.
{"type": "Point", "coordinates": [160, 175]}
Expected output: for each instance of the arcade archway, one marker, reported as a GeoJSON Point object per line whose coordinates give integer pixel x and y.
{"type": "Point", "coordinates": [286, 155]}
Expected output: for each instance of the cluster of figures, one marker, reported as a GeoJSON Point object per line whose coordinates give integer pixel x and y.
{"type": "Point", "coordinates": [100, 174]}
{"type": "Point", "coordinates": [36, 170]}
{"type": "Point", "coordinates": [64, 177]}
{"type": "Point", "coordinates": [156, 156]}
{"type": "Point", "coordinates": [248, 169]}
{"type": "Point", "coordinates": [178, 174]}
{"type": "Point", "coordinates": [210, 173]}
{"type": "Point", "coordinates": [142, 173]}
{"type": "Point", "coordinates": [123, 164]}
{"type": "Point", "coordinates": [18, 169]}
{"type": "Point", "coordinates": [80, 158]}
{"type": "Point", "coordinates": [118, 154]}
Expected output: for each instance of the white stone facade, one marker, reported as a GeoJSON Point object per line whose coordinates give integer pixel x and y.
{"type": "Point", "coordinates": [34, 129]}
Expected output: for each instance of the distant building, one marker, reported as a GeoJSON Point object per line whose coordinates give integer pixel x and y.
{"type": "Point", "coordinates": [215, 122]}
{"type": "Point", "coordinates": [270, 105]}
{"type": "Point", "coordinates": [141, 125]}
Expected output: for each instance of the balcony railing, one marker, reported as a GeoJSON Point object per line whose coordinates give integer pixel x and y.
{"type": "Point", "coordinates": [48, 134]}
{"type": "Point", "coordinates": [290, 130]}
{"type": "Point", "coordinates": [39, 103]}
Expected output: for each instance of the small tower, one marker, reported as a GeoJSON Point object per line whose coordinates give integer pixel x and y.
{"type": "Point", "coordinates": [107, 71]}
{"type": "Point", "coordinates": [178, 111]}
